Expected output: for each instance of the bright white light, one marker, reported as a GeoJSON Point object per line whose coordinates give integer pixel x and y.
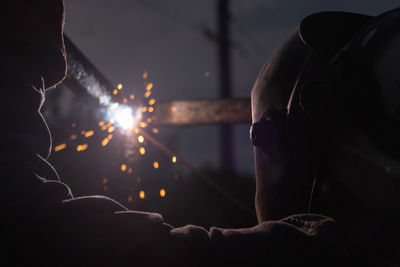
{"type": "Point", "coordinates": [123, 116]}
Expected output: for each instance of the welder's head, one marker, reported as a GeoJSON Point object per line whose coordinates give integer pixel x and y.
{"type": "Point", "coordinates": [32, 44]}
{"type": "Point", "coordinates": [326, 118]}
{"type": "Point", "coordinates": [32, 55]}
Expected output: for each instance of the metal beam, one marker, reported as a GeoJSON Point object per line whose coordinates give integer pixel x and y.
{"type": "Point", "coordinates": [200, 112]}
{"type": "Point", "coordinates": [83, 77]}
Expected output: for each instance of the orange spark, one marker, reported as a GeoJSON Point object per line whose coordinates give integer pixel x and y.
{"type": "Point", "coordinates": [162, 192]}
{"type": "Point", "coordinates": [60, 147]}
{"type": "Point", "coordinates": [156, 165]}
{"type": "Point", "coordinates": [123, 167]}
{"type": "Point", "coordinates": [89, 133]}
{"type": "Point", "coordinates": [82, 147]}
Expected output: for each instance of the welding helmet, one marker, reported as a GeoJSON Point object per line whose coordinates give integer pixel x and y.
{"type": "Point", "coordinates": [31, 41]}
{"type": "Point", "coordinates": [326, 118]}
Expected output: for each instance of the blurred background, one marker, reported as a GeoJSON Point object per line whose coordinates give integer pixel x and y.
{"type": "Point", "coordinates": [166, 51]}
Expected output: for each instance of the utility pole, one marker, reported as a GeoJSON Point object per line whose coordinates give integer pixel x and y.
{"type": "Point", "coordinates": [225, 87]}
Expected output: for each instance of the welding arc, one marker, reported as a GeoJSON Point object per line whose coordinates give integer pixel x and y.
{"type": "Point", "coordinates": [205, 178]}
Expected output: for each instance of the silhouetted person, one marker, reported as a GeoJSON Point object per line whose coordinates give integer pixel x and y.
{"type": "Point", "coordinates": [43, 224]}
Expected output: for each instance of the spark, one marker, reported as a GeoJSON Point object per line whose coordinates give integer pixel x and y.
{"type": "Point", "coordinates": [152, 101]}
{"type": "Point", "coordinates": [73, 137]}
{"type": "Point", "coordinates": [60, 147]}
{"type": "Point", "coordinates": [105, 141]}
{"type": "Point", "coordinates": [145, 74]}
{"type": "Point", "coordinates": [155, 130]}
{"type": "Point", "coordinates": [130, 170]}
{"type": "Point", "coordinates": [149, 86]}
{"type": "Point", "coordinates": [142, 150]}
{"type": "Point", "coordinates": [173, 159]}
{"type": "Point", "coordinates": [119, 86]}
{"type": "Point", "coordinates": [156, 165]}
{"type": "Point", "coordinates": [101, 123]}
{"type": "Point", "coordinates": [115, 91]}
{"type": "Point", "coordinates": [144, 109]}
{"type": "Point", "coordinates": [82, 147]}
{"type": "Point", "coordinates": [151, 109]}
{"type": "Point", "coordinates": [123, 167]}
{"type": "Point", "coordinates": [142, 194]}
{"type": "Point", "coordinates": [162, 192]}
{"type": "Point", "coordinates": [143, 124]}
{"type": "Point", "coordinates": [140, 139]}
{"type": "Point", "coordinates": [73, 125]}
{"type": "Point", "coordinates": [130, 199]}
{"type": "Point", "coordinates": [124, 116]}
{"type": "Point", "coordinates": [111, 129]}
{"type": "Point", "coordinates": [147, 94]}
{"type": "Point", "coordinates": [89, 133]}
{"type": "Point", "coordinates": [132, 96]}
{"type": "Point", "coordinates": [105, 180]}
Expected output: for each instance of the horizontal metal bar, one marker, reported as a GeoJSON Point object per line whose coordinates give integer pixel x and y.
{"type": "Point", "coordinates": [85, 79]}
{"type": "Point", "coordinates": [197, 112]}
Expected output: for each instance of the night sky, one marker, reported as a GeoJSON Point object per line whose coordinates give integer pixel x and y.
{"type": "Point", "coordinates": [172, 41]}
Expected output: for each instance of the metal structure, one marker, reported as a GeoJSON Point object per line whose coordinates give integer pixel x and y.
{"type": "Point", "coordinates": [84, 78]}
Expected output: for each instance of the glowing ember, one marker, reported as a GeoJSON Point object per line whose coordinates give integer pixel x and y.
{"type": "Point", "coordinates": [82, 147]}
{"type": "Point", "coordinates": [155, 130]}
{"type": "Point", "coordinates": [132, 96]}
{"type": "Point", "coordinates": [151, 109]}
{"type": "Point", "coordinates": [140, 139]}
{"type": "Point", "coordinates": [115, 91]}
{"type": "Point", "coordinates": [123, 167]}
{"type": "Point", "coordinates": [174, 159]}
{"type": "Point", "coordinates": [111, 129]}
{"type": "Point", "coordinates": [119, 86]}
{"type": "Point", "coordinates": [162, 192]}
{"type": "Point", "coordinates": [156, 165]}
{"type": "Point", "coordinates": [60, 147]}
{"type": "Point", "coordinates": [152, 101]}
{"type": "Point", "coordinates": [105, 141]}
{"type": "Point", "coordinates": [73, 137]}
{"type": "Point", "coordinates": [89, 133]}
{"type": "Point", "coordinates": [147, 94]}
{"type": "Point", "coordinates": [142, 151]}
{"type": "Point", "coordinates": [141, 194]}
{"type": "Point", "coordinates": [149, 87]}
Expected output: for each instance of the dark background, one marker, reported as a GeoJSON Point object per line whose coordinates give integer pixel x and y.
{"type": "Point", "coordinates": [172, 41]}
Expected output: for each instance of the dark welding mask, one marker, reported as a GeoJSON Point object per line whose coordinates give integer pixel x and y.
{"type": "Point", "coordinates": [326, 118]}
